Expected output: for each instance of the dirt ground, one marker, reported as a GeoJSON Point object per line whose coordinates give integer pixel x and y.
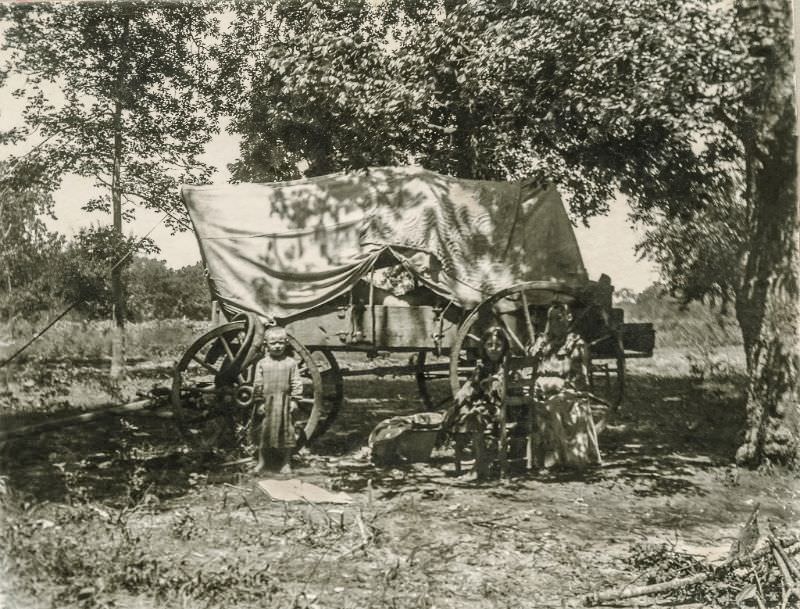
{"type": "Point", "coordinates": [123, 513]}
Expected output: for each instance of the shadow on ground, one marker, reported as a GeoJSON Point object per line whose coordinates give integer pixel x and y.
{"type": "Point", "coordinates": [666, 426]}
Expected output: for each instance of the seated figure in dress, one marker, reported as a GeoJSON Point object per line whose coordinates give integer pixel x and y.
{"type": "Point", "coordinates": [562, 430]}
{"type": "Point", "coordinates": [476, 406]}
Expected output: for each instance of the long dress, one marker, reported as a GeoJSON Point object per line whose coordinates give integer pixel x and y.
{"type": "Point", "coordinates": [282, 383]}
{"type": "Point", "coordinates": [563, 431]}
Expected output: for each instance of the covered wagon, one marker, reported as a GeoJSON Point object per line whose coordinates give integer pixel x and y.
{"type": "Point", "coordinates": [390, 260]}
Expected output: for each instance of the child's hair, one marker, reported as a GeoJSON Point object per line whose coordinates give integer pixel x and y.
{"type": "Point", "coordinates": [559, 307]}
{"type": "Point", "coordinates": [553, 312]}
{"type": "Point", "coordinates": [494, 332]}
{"type": "Point", "coordinates": [275, 333]}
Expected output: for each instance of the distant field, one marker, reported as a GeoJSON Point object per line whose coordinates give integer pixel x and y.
{"type": "Point", "coordinates": [91, 340]}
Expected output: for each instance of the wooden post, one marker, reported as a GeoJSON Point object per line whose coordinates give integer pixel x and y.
{"type": "Point", "coordinates": [528, 320]}
{"type": "Point", "coordinates": [503, 416]}
{"type": "Point", "coordinates": [530, 459]}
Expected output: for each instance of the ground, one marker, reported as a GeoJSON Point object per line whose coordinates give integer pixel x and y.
{"type": "Point", "coordinates": [124, 513]}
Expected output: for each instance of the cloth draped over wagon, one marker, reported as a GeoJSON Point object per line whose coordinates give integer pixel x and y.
{"type": "Point", "coordinates": [283, 248]}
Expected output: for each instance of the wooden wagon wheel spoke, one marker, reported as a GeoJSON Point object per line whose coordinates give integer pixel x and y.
{"type": "Point", "coordinates": [226, 346]}
{"type": "Point", "coordinates": [528, 321]}
{"type": "Point", "coordinates": [514, 338]}
{"type": "Point", "coordinates": [205, 365]}
{"type": "Point", "coordinates": [322, 390]}
{"type": "Point", "coordinates": [211, 371]}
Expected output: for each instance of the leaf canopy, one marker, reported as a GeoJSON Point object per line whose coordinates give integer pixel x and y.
{"type": "Point", "coordinates": [138, 70]}
{"type": "Point", "coordinates": [601, 97]}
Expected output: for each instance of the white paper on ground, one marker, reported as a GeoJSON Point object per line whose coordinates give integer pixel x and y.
{"type": "Point", "coordinates": [297, 490]}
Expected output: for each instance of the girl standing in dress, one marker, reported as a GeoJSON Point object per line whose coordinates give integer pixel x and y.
{"type": "Point", "coordinates": [283, 389]}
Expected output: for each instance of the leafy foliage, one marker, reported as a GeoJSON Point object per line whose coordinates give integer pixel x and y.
{"type": "Point", "coordinates": [27, 248]}
{"type": "Point", "coordinates": [702, 255]}
{"type": "Point", "coordinates": [599, 97]}
{"type": "Point", "coordinates": [154, 291]}
{"type": "Point", "coordinates": [85, 264]}
{"type": "Point", "coordinates": [157, 292]}
{"type": "Point", "coordinates": [121, 83]}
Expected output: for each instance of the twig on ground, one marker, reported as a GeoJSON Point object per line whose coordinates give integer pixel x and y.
{"type": "Point", "coordinates": [599, 598]}
{"type": "Point", "coordinates": [324, 512]}
{"type": "Point", "coordinates": [362, 528]}
{"type": "Point", "coordinates": [249, 507]}
{"type": "Point", "coordinates": [233, 486]}
{"type": "Point", "coordinates": [241, 461]}
{"type": "Point", "coordinates": [759, 587]}
{"type": "Point", "coordinates": [791, 565]}
{"type": "Point", "coordinates": [788, 571]}
{"type": "Point", "coordinates": [366, 537]}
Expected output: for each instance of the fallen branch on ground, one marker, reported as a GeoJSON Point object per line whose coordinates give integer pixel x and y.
{"type": "Point", "coordinates": [615, 594]}
{"type": "Point", "coordinates": [150, 404]}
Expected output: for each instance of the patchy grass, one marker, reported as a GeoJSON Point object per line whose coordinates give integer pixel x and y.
{"type": "Point", "coordinates": [696, 365]}
{"type": "Point", "coordinates": [128, 514]}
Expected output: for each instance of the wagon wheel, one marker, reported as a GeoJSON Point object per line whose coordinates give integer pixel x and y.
{"type": "Point", "coordinates": [502, 309]}
{"type": "Point", "coordinates": [421, 377]}
{"type": "Point", "coordinates": [425, 373]}
{"type": "Point", "coordinates": [322, 391]}
{"type": "Point", "coordinates": [211, 369]}
{"type": "Point", "coordinates": [218, 369]}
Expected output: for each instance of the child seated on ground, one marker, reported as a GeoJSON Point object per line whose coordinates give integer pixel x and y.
{"type": "Point", "coordinates": [476, 405]}
{"type": "Point", "coordinates": [283, 388]}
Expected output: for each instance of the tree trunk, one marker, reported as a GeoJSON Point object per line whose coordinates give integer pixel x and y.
{"type": "Point", "coordinates": [117, 293]}
{"type": "Point", "coordinates": [767, 305]}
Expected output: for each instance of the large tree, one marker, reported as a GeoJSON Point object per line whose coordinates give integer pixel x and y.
{"type": "Point", "coordinates": [116, 91]}
{"type": "Point", "coordinates": [767, 305]}
{"type": "Point", "coordinates": [643, 98]}
{"type": "Point", "coordinates": [743, 246]}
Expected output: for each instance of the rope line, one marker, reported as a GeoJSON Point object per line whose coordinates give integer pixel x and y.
{"type": "Point", "coordinates": [46, 328]}
{"type": "Point", "coordinates": [134, 246]}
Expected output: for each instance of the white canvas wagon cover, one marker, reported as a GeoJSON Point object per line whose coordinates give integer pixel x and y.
{"type": "Point", "coordinates": [282, 248]}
